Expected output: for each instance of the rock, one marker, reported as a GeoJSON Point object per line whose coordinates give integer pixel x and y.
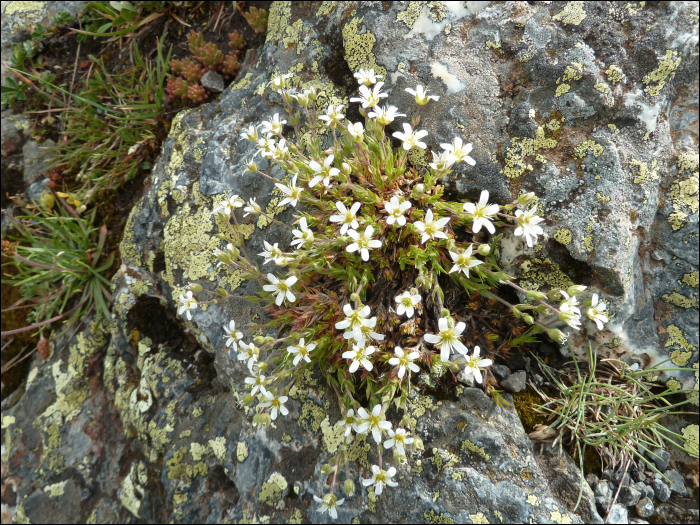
{"type": "Point", "coordinates": [618, 514]}
{"type": "Point", "coordinates": [608, 474]}
{"type": "Point", "coordinates": [515, 382]}
{"type": "Point", "coordinates": [660, 458]}
{"type": "Point", "coordinates": [644, 489]}
{"type": "Point", "coordinates": [669, 513]}
{"type": "Point", "coordinates": [592, 480]}
{"type": "Point", "coordinates": [628, 496]}
{"type": "Point", "coordinates": [621, 480]}
{"type": "Point", "coordinates": [677, 483]}
{"type": "Point", "coordinates": [500, 371]}
{"type": "Point", "coordinates": [213, 81]}
{"type": "Point", "coordinates": [661, 490]}
{"type": "Point", "coordinates": [35, 190]}
{"type": "Point", "coordinates": [36, 159]}
{"type": "Point", "coordinates": [645, 508]}
{"type": "Point", "coordinates": [637, 475]}
{"type": "Point", "coordinates": [603, 495]}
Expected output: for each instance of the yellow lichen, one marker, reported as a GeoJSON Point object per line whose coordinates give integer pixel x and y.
{"type": "Point", "coordinates": [563, 236]}
{"type": "Point", "coordinates": [543, 272]}
{"type": "Point", "coordinates": [572, 73]}
{"type": "Point", "coordinates": [558, 517]}
{"type": "Point", "coordinates": [572, 13]}
{"type": "Point", "coordinates": [681, 301]}
{"type": "Point", "coordinates": [478, 518]}
{"type": "Point", "coordinates": [690, 433]}
{"type": "Point", "coordinates": [470, 448]}
{"type": "Point", "coordinates": [582, 149]}
{"type": "Point", "coordinates": [615, 74]}
{"type": "Point", "coordinates": [691, 279]}
{"type": "Point", "coordinates": [241, 451]}
{"type": "Point", "coordinates": [533, 500]}
{"type": "Point", "coordinates": [515, 157]}
{"type": "Point", "coordinates": [676, 337]}
{"type": "Point", "coordinates": [665, 71]}
{"type": "Point", "coordinates": [273, 489]}
{"type": "Point", "coordinates": [326, 8]}
{"type": "Point", "coordinates": [297, 517]}
{"type": "Point", "coordinates": [278, 20]}
{"type": "Point", "coordinates": [684, 199]}
{"type": "Point", "coordinates": [432, 517]}
{"type": "Point", "coordinates": [561, 89]}
{"type": "Point", "coordinates": [602, 198]}
{"type": "Point", "coordinates": [333, 436]}
{"type": "Point", "coordinates": [358, 48]}
{"type": "Point", "coordinates": [688, 161]}
{"type": "Point", "coordinates": [645, 174]}
{"type": "Point", "coordinates": [411, 14]}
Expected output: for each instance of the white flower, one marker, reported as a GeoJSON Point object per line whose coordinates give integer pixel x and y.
{"type": "Point", "coordinates": [403, 361]}
{"type": "Point", "coordinates": [301, 351]}
{"type": "Point", "coordinates": [257, 383]}
{"type": "Point", "coordinates": [464, 261]}
{"type": "Point", "coordinates": [280, 150]}
{"type": "Point", "coordinates": [350, 422]}
{"type": "Point", "coordinates": [253, 207]}
{"type": "Point", "coordinates": [233, 335]}
{"type": "Point", "coordinates": [380, 478]}
{"type": "Point", "coordinates": [346, 217]}
{"type": "Point", "coordinates": [399, 440]}
{"type": "Point", "coordinates": [329, 503]}
{"type": "Point", "coordinates": [333, 115]}
{"type": "Point", "coordinates": [432, 229]}
{"type": "Point", "coordinates": [595, 312]}
{"type": "Point", "coordinates": [483, 213]}
{"type": "Point", "coordinates": [374, 422]}
{"type": "Point", "coordinates": [250, 134]}
{"type": "Point", "coordinates": [324, 172]}
{"type": "Point", "coordinates": [273, 253]}
{"type": "Point", "coordinates": [396, 211]}
{"type": "Point", "coordinates": [363, 242]}
{"type": "Point", "coordinates": [227, 206]}
{"type": "Point", "coordinates": [356, 131]}
{"type": "Point", "coordinates": [366, 331]}
{"type": "Point", "coordinates": [367, 77]}
{"type": "Point", "coordinates": [406, 303]}
{"type": "Point", "coordinates": [354, 321]}
{"type": "Point", "coordinates": [251, 167]}
{"type": "Point", "coordinates": [187, 304]}
{"type": "Point", "coordinates": [266, 146]}
{"type": "Point", "coordinates": [281, 288]}
{"type": "Point", "coordinates": [279, 82]}
{"type": "Point", "coordinates": [528, 225]}
{"type": "Point", "coordinates": [442, 162]}
{"type": "Point", "coordinates": [303, 98]}
{"type": "Point", "coordinates": [303, 235]}
{"type": "Point", "coordinates": [422, 97]}
{"type": "Point", "coordinates": [274, 127]}
{"type": "Point", "coordinates": [459, 151]}
{"type": "Point", "coordinates": [277, 403]}
{"type": "Point", "coordinates": [411, 138]}
{"type": "Point", "coordinates": [292, 193]}
{"type": "Point", "coordinates": [369, 98]}
{"type": "Point", "coordinates": [385, 115]}
{"type": "Point", "coordinates": [447, 339]}
{"type": "Point", "coordinates": [474, 365]}
{"type": "Point", "coordinates": [248, 353]}
{"type": "Point", "coordinates": [568, 312]}
{"type": "Point", "coordinates": [359, 356]}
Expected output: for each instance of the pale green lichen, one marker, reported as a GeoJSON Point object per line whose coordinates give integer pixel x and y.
{"type": "Point", "coordinates": [273, 489]}
{"type": "Point", "coordinates": [131, 493]}
{"type": "Point", "coordinates": [218, 447]}
{"type": "Point", "coordinates": [278, 20]}
{"type": "Point", "coordinates": [358, 48]}
{"type": "Point", "coordinates": [572, 13]}
{"type": "Point", "coordinates": [684, 199]}
{"type": "Point", "coordinates": [478, 518]}
{"type": "Point", "coordinates": [656, 80]}
{"type": "Point", "coordinates": [333, 436]}
{"type": "Point", "coordinates": [26, 8]}
{"type": "Point", "coordinates": [537, 272]}
{"type": "Point", "coordinates": [533, 500]}
{"type": "Point", "coordinates": [326, 8]}
{"type": "Point", "coordinates": [197, 451]}
{"type": "Point", "coordinates": [557, 517]}
{"type": "Point", "coordinates": [296, 517]}
{"type": "Point", "coordinates": [562, 89]}
{"type": "Point", "coordinates": [645, 173]}
{"type": "Point", "coordinates": [410, 14]}
{"type": "Point", "coordinates": [572, 73]}
{"type": "Point", "coordinates": [680, 300]}
{"type": "Point", "coordinates": [563, 236]}
{"type": "Point", "coordinates": [56, 489]}
{"type": "Point", "coordinates": [688, 161]}
{"type": "Point", "coordinates": [602, 198]}
{"type": "Point", "coordinates": [432, 517]}
{"type": "Point", "coordinates": [241, 451]}
{"type": "Point", "coordinates": [581, 150]}
{"type": "Point", "coordinates": [615, 74]}
{"type": "Point", "coordinates": [468, 447]}
{"type": "Point", "coordinates": [691, 279]}
{"type": "Point", "coordinates": [521, 148]}
{"type": "Point", "coordinates": [691, 435]}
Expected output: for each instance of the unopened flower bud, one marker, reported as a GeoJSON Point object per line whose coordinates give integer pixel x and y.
{"type": "Point", "coordinates": [247, 400]}
{"type": "Point", "coordinates": [234, 252]}
{"type": "Point", "coordinates": [542, 309]}
{"type": "Point", "coordinates": [265, 420]}
{"type": "Point", "coordinates": [484, 249]}
{"type": "Point", "coordinates": [349, 488]}
{"type": "Point", "coordinates": [354, 298]}
{"type": "Point", "coordinates": [195, 287]}
{"type": "Point", "coordinates": [535, 296]}
{"type": "Point", "coordinates": [262, 366]}
{"type": "Point", "coordinates": [399, 458]}
{"type": "Point", "coordinates": [258, 339]}
{"type": "Point", "coordinates": [312, 93]}
{"type": "Point", "coordinates": [326, 469]}
{"type": "Point", "coordinates": [557, 335]}
{"type": "Point", "coordinates": [445, 313]}
{"type": "Point", "coordinates": [251, 167]}
{"type": "Point", "coordinates": [345, 168]}
{"type": "Point", "coordinates": [526, 198]}
{"type": "Point", "coordinates": [575, 290]}
{"type": "Point", "coordinates": [528, 319]}
{"type": "Point", "coordinates": [418, 444]}
{"type": "Point", "coordinates": [418, 190]}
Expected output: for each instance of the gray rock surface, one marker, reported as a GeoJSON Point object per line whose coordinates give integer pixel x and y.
{"type": "Point", "coordinates": [515, 382]}
{"type": "Point", "coordinates": [628, 496]}
{"type": "Point", "coordinates": [603, 494]}
{"type": "Point", "coordinates": [661, 490]}
{"type": "Point", "coordinates": [213, 81]}
{"type": "Point", "coordinates": [676, 482]}
{"type": "Point", "coordinates": [660, 458]}
{"type": "Point", "coordinates": [645, 508]}
{"type": "Point", "coordinates": [36, 159]}
{"type": "Point", "coordinates": [618, 514]}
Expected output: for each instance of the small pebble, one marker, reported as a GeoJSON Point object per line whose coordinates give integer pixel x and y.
{"type": "Point", "coordinates": [661, 490]}
{"type": "Point", "coordinates": [645, 508]}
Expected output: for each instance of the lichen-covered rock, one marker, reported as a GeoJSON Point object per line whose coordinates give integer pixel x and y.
{"type": "Point", "coordinates": [590, 105]}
